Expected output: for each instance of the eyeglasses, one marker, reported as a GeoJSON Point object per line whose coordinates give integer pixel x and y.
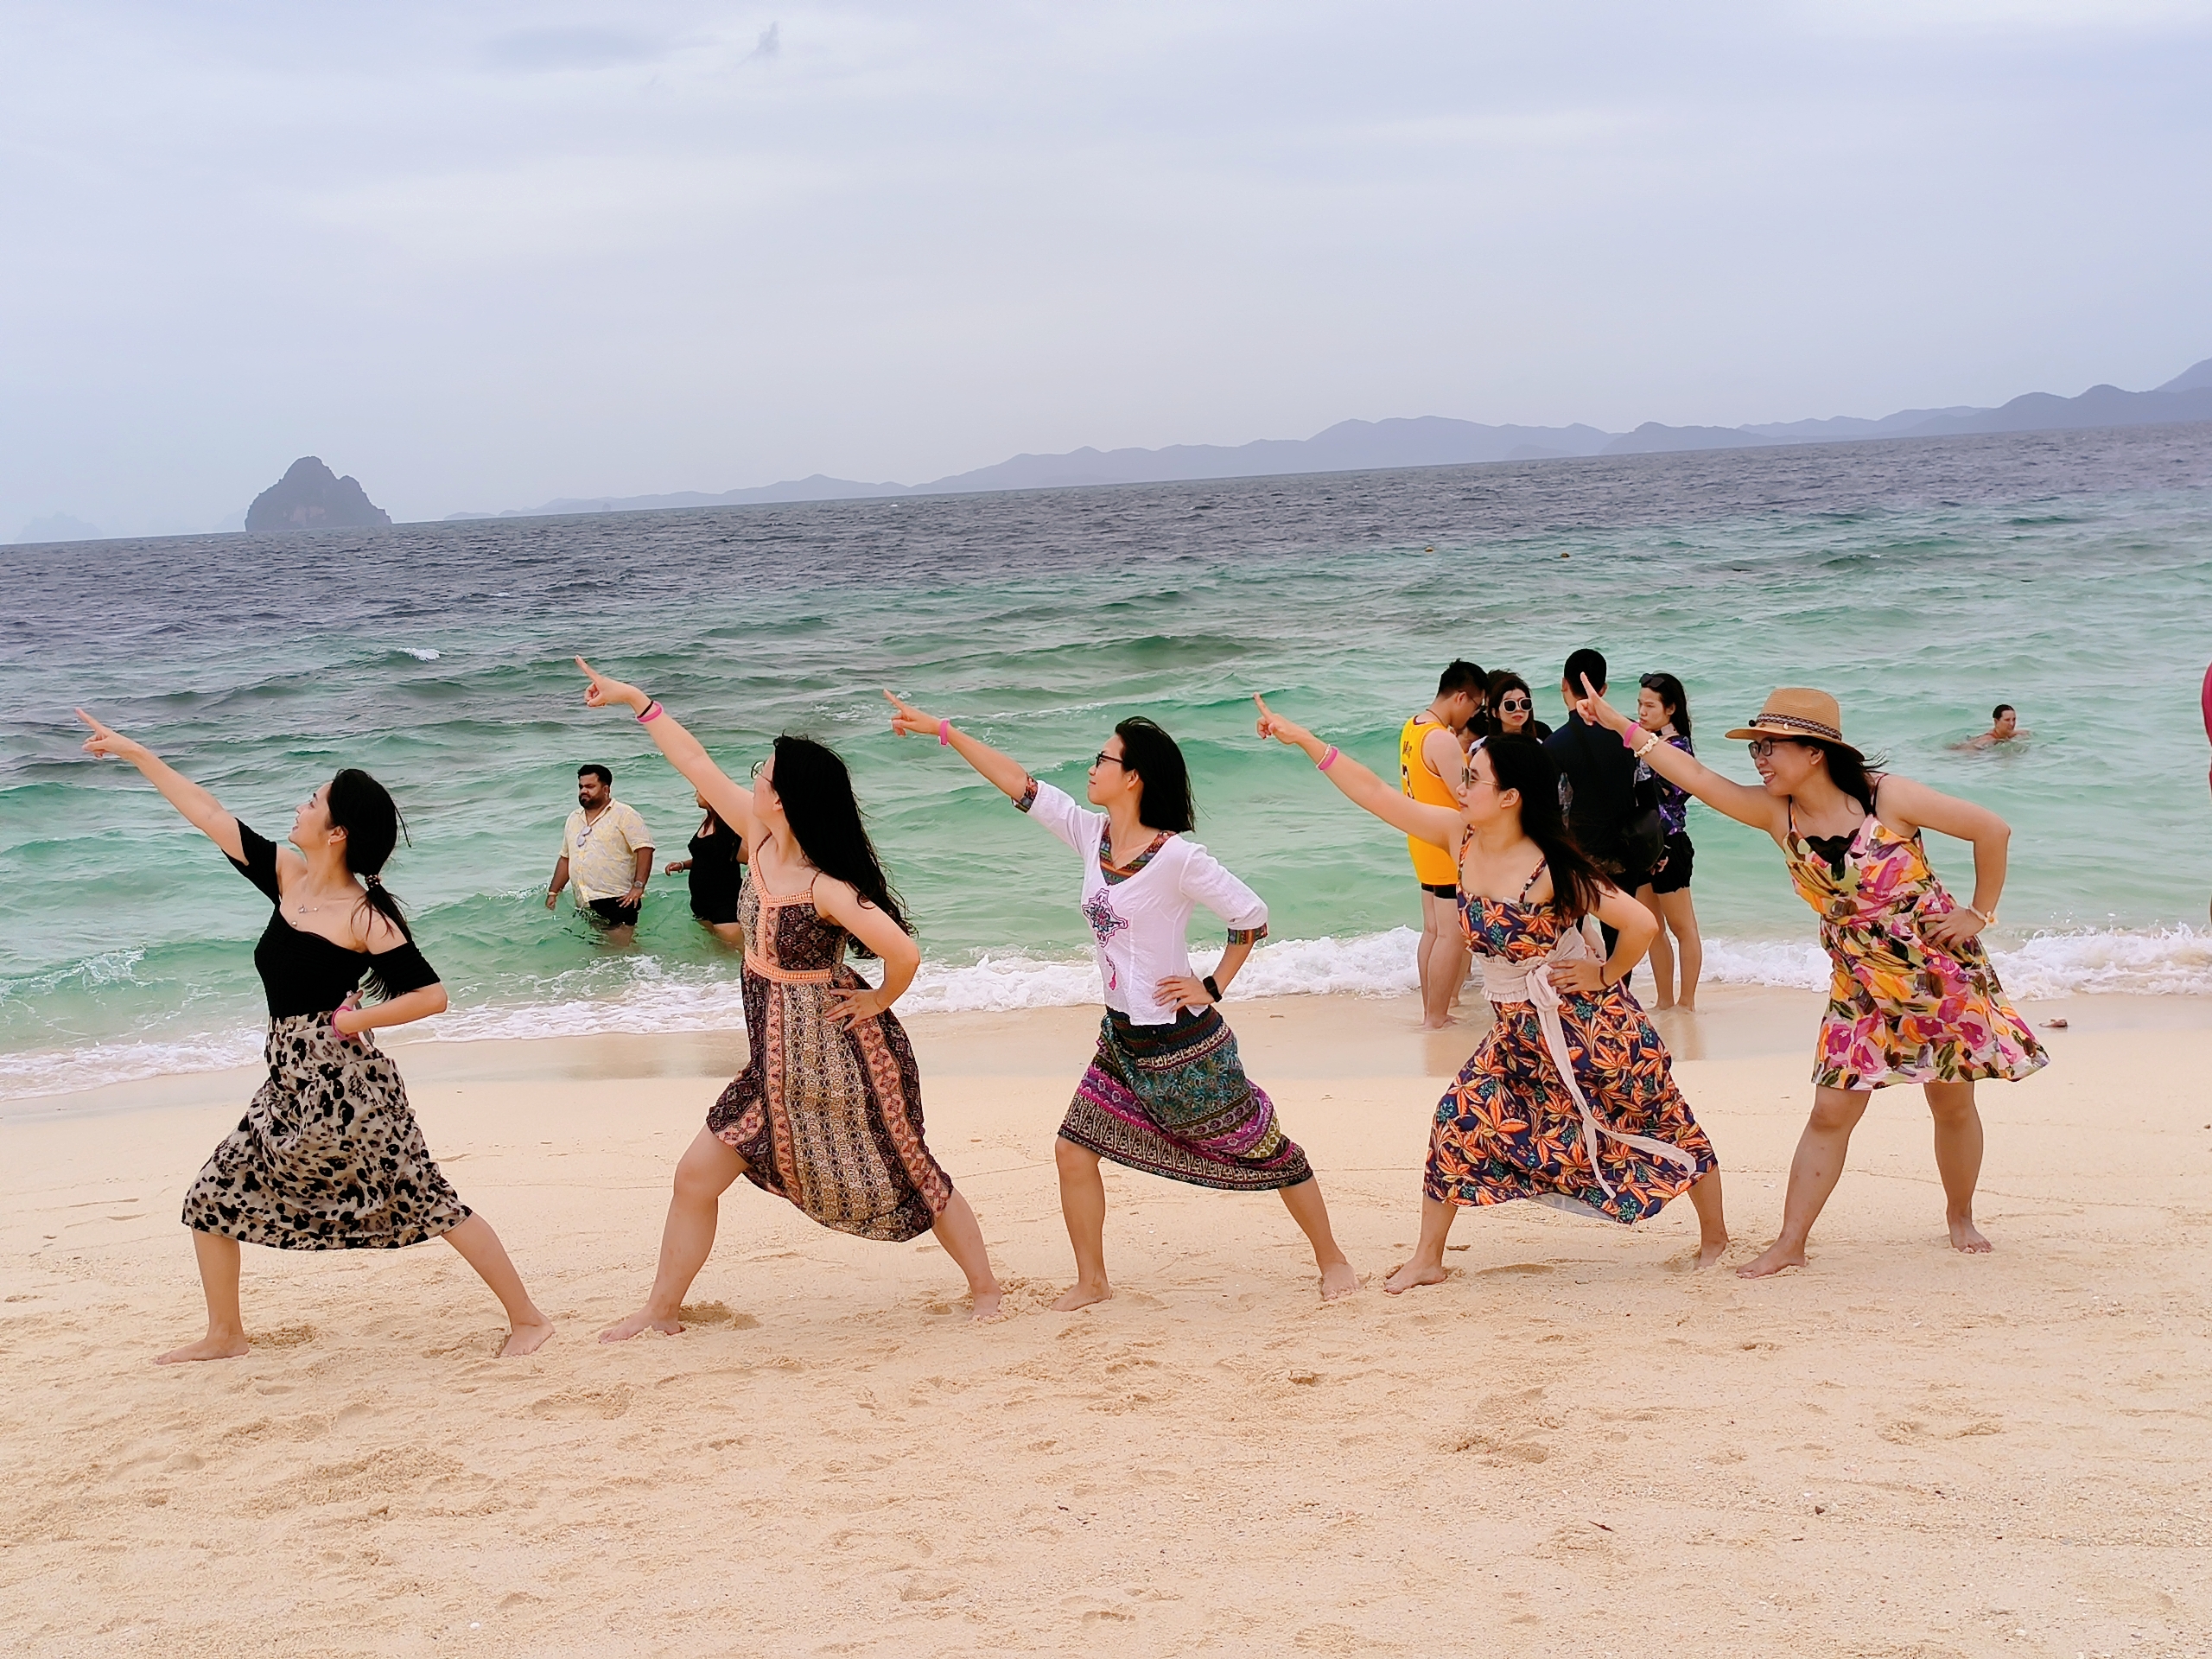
{"type": "Point", "coordinates": [1515, 706]}
{"type": "Point", "coordinates": [758, 765]}
{"type": "Point", "coordinates": [1102, 759]}
{"type": "Point", "coordinates": [1761, 747]}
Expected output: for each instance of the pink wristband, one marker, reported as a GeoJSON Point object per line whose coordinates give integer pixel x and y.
{"type": "Point", "coordinates": [943, 732]}
{"type": "Point", "coordinates": [1327, 760]}
{"type": "Point", "coordinates": [651, 711]}
{"type": "Point", "coordinates": [1633, 735]}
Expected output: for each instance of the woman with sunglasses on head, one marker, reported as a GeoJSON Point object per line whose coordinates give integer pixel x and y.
{"type": "Point", "coordinates": [828, 1112]}
{"type": "Point", "coordinates": [1570, 1099]}
{"type": "Point", "coordinates": [1913, 998]}
{"type": "Point", "coordinates": [1512, 709]}
{"type": "Point", "coordinates": [1166, 1092]}
{"type": "Point", "coordinates": [328, 1155]}
{"type": "Point", "coordinates": [1663, 706]}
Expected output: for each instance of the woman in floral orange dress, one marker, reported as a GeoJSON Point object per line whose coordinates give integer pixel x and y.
{"type": "Point", "coordinates": [1570, 1100]}
{"type": "Point", "coordinates": [1913, 999]}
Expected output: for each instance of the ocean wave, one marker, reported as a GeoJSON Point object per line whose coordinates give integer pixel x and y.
{"type": "Point", "coordinates": [2166, 962]}
{"type": "Point", "coordinates": [421, 653]}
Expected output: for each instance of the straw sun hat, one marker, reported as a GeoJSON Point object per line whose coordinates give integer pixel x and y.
{"type": "Point", "coordinates": [1799, 711]}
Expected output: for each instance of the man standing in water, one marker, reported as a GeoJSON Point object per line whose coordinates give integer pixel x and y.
{"type": "Point", "coordinates": [1597, 784]}
{"type": "Point", "coordinates": [1433, 768]}
{"type": "Point", "coordinates": [608, 852]}
{"type": "Point", "coordinates": [2004, 726]}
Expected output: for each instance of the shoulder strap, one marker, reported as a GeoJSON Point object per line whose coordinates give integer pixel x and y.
{"type": "Point", "coordinates": [1530, 883]}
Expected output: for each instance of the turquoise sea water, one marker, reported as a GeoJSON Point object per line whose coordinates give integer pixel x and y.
{"type": "Point", "coordinates": [2070, 574]}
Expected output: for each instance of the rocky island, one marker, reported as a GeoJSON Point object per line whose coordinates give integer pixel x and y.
{"type": "Point", "coordinates": [310, 497]}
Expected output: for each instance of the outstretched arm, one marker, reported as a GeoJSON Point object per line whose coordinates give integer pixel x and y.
{"type": "Point", "coordinates": [201, 808]}
{"type": "Point", "coordinates": [1739, 801]}
{"type": "Point", "coordinates": [1002, 771]}
{"type": "Point", "coordinates": [732, 801]}
{"type": "Point", "coordinates": [1438, 825]}
{"type": "Point", "coordinates": [1909, 806]}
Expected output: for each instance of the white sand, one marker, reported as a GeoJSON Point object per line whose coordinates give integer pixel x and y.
{"type": "Point", "coordinates": [1576, 1445]}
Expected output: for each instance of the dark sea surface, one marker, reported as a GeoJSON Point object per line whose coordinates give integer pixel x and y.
{"type": "Point", "coordinates": [1922, 582]}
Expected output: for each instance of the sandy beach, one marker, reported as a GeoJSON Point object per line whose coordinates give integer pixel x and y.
{"type": "Point", "coordinates": [1576, 1445]}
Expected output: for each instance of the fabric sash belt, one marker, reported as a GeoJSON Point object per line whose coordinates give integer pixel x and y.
{"type": "Point", "coordinates": [1509, 982]}
{"type": "Point", "coordinates": [790, 975]}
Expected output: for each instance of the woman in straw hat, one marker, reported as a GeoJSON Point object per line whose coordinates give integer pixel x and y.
{"type": "Point", "coordinates": [1914, 999]}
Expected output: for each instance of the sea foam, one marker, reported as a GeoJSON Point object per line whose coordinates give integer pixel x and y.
{"type": "Point", "coordinates": [2167, 961]}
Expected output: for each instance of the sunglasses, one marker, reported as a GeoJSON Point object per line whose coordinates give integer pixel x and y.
{"type": "Point", "coordinates": [1102, 759]}
{"type": "Point", "coordinates": [1761, 747]}
{"type": "Point", "coordinates": [1516, 705]}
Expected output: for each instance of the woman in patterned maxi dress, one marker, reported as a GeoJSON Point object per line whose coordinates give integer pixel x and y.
{"type": "Point", "coordinates": [828, 1112]}
{"type": "Point", "coordinates": [328, 1156]}
{"type": "Point", "coordinates": [1570, 1099]}
{"type": "Point", "coordinates": [1913, 998]}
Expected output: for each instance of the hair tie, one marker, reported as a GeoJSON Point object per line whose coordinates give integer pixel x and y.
{"type": "Point", "coordinates": [373, 880]}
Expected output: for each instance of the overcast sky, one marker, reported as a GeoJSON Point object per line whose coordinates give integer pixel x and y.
{"type": "Point", "coordinates": [481, 254]}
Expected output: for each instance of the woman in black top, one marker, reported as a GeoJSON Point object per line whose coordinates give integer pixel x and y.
{"type": "Point", "coordinates": [717, 867]}
{"type": "Point", "coordinates": [1512, 711]}
{"type": "Point", "coordinates": [328, 1156]}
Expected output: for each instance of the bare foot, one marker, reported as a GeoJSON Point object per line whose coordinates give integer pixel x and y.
{"type": "Point", "coordinates": [1412, 1274]}
{"type": "Point", "coordinates": [643, 1319]}
{"type": "Point", "coordinates": [526, 1337]}
{"type": "Point", "coordinates": [1661, 1008]}
{"type": "Point", "coordinates": [987, 1307]}
{"type": "Point", "coordinates": [1772, 1260]}
{"type": "Point", "coordinates": [1337, 1280]}
{"type": "Point", "coordinates": [1710, 1251]}
{"type": "Point", "coordinates": [1438, 1024]}
{"type": "Point", "coordinates": [1686, 1008]}
{"type": "Point", "coordinates": [231, 1347]}
{"type": "Point", "coordinates": [1966, 1238]}
{"type": "Point", "coordinates": [1082, 1295]}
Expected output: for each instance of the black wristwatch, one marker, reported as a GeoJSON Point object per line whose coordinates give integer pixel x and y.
{"type": "Point", "coordinates": [1212, 990]}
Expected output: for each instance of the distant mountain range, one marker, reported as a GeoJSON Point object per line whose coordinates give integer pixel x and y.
{"type": "Point", "coordinates": [1434, 441]}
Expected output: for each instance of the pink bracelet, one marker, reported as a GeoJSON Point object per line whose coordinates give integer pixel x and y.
{"type": "Point", "coordinates": [651, 711]}
{"type": "Point", "coordinates": [343, 1037]}
{"type": "Point", "coordinates": [943, 732]}
{"type": "Point", "coordinates": [1633, 735]}
{"type": "Point", "coordinates": [1327, 760]}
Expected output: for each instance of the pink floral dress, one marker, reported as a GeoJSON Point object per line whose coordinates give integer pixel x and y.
{"type": "Point", "coordinates": [1901, 1007]}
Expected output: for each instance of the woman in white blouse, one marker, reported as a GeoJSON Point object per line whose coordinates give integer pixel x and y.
{"type": "Point", "coordinates": [1166, 1092]}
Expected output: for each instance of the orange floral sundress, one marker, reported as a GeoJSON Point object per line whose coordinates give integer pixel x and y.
{"type": "Point", "coordinates": [1509, 1127]}
{"type": "Point", "coordinates": [1901, 1007]}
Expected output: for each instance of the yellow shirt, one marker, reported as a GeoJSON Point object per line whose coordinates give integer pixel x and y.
{"type": "Point", "coordinates": [1433, 866]}
{"type": "Point", "coordinates": [602, 852]}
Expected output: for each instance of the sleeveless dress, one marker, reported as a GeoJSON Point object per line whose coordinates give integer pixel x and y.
{"type": "Point", "coordinates": [1901, 1007]}
{"type": "Point", "coordinates": [827, 1116]}
{"type": "Point", "coordinates": [1511, 1126]}
{"type": "Point", "coordinates": [328, 1155]}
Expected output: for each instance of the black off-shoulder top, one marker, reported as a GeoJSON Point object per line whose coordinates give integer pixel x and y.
{"type": "Point", "coordinates": [305, 973]}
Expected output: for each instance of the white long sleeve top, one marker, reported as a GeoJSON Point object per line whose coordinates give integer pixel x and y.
{"type": "Point", "coordinates": [1140, 921]}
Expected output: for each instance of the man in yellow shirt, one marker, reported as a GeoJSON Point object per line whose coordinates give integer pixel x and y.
{"type": "Point", "coordinates": [1433, 768]}
{"type": "Point", "coordinates": [608, 852]}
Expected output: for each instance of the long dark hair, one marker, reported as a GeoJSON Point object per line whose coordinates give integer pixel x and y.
{"type": "Point", "coordinates": [1520, 763]}
{"type": "Point", "coordinates": [1848, 770]}
{"type": "Point", "coordinates": [816, 792]}
{"type": "Point", "coordinates": [364, 808]}
{"type": "Point", "coordinates": [1152, 754]}
{"type": "Point", "coordinates": [1669, 690]}
{"type": "Point", "coordinates": [1493, 723]}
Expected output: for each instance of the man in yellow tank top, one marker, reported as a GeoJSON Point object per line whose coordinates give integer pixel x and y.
{"type": "Point", "coordinates": [1433, 768]}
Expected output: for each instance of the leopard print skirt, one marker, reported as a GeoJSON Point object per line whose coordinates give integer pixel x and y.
{"type": "Point", "coordinates": [327, 1157]}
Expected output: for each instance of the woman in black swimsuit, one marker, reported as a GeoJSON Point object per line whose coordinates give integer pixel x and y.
{"type": "Point", "coordinates": [716, 862]}
{"type": "Point", "coordinates": [328, 1156]}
